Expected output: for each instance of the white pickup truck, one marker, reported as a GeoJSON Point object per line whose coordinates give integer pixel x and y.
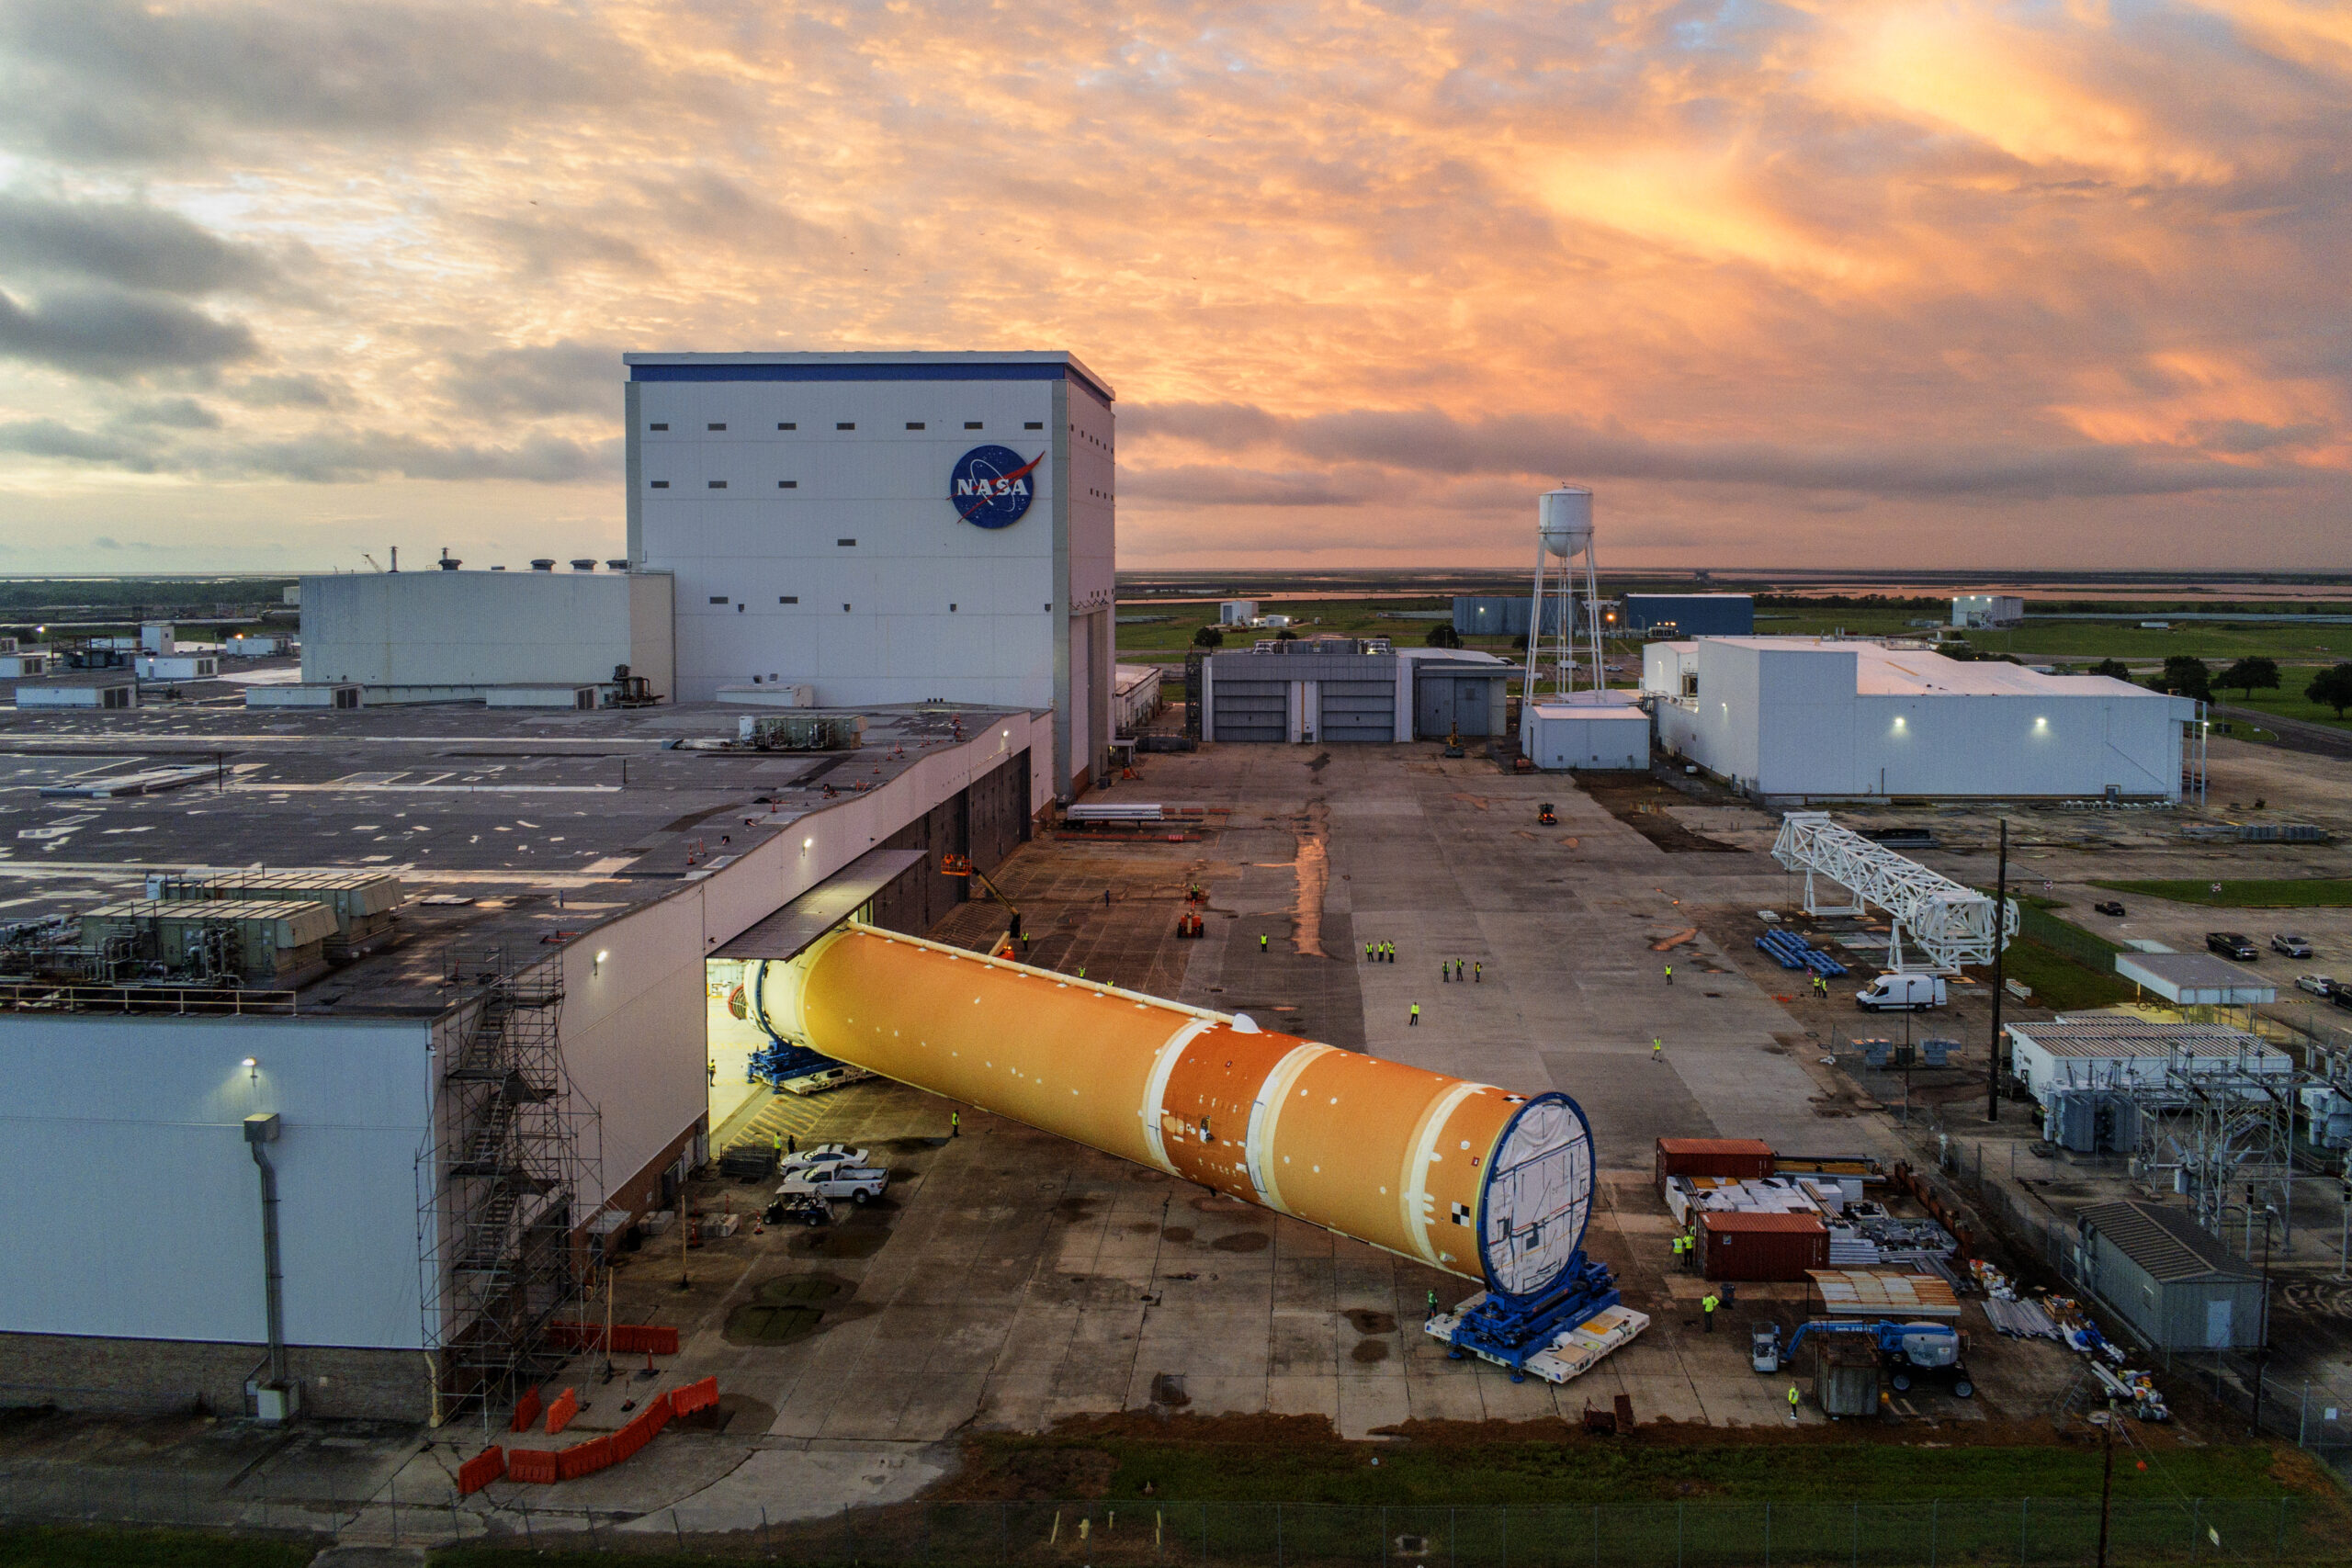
{"type": "Point", "coordinates": [858, 1183]}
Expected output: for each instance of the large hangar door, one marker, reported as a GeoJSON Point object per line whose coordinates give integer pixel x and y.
{"type": "Point", "coordinates": [1358, 710]}
{"type": "Point", "coordinates": [1470, 706]}
{"type": "Point", "coordinates": [1250, 710]}
{"type": "Point", "coordinates": [1432, 707]}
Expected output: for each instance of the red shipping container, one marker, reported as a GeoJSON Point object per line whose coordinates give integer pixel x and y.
{"type": "Point", "coordinates": [1737, 1159]}
{"type": "Point", "coordinates": [1736, 1244]}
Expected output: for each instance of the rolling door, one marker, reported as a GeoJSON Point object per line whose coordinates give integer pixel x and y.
{"type": "Point", "coordinates": [1358, 710]}
{"type": "Point", "coordinates": [1250, 710]}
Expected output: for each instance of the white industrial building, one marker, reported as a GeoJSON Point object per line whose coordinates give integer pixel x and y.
{"type": "Point", "coordinates": [885, 528]}
{"type": "Point", "coordinates": [1977, 609]}
{"type": "Point", "coordinates": [1795, 719]}
{"type": "Point", "coordinates": [428, 635]}
{"type": "Point", "coordinates": [1587, 732]}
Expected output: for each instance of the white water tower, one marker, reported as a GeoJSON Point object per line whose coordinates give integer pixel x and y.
{"type": "Point", "coordinates": [1564, 617]}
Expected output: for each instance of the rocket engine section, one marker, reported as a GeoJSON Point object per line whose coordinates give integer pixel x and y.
{"type": "Point", "coordinates": [1485, 1184]}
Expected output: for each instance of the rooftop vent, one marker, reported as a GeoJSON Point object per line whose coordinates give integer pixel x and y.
{"type": "Point", "coordinates": [544, 563]}
{"type": "Point", "coordinates": [584, 563]}
{"type": "Point", "coordinates": [617, 564]}
{"type": "Point", "coordinates": [448, 562]}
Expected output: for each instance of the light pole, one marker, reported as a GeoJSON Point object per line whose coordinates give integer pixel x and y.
{"type": "Point", "coordinates": [2106, 1423]}
{"type": "Point", "coordinates": [2000, 947]}
{"type": "Point", "coordinates": [2262, 1331]}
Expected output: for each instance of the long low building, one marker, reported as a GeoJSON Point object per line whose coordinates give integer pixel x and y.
{"type": "Point", "coordinates": [1797, 719]}
{"type": "Point", "coordinates": [462, 1022]}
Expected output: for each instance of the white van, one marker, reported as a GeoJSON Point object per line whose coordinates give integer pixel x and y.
{"type": "Point", "coordinates": [1902, 993]}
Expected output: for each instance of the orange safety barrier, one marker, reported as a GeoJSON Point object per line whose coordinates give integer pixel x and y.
{"type": "Point", "coordinates": [586, 1458]}
{"type": "Point", "coordinates": [480, 1471]}
{"type": "Point", "coordinates": [628, 1338]}
{"type": "Point", "coordinates": [693, 1396]}
{"type": "Point", "coordinates": [526, 1411]}
{"type": "Point", "coordinates": [532, 1465]}
{"type": "Point", "coordinates": [561, 1413]}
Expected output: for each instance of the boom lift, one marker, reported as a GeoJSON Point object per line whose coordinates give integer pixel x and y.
{"type": "Point", "coordinates": [1906, 1349]}
{"type": "Point", "coordinates": [961, 865]}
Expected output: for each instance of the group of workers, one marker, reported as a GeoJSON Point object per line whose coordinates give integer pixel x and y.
{"type": "Point", "coordinates": [1455, 969]}
{"type": "Point", "coordinates": [1380, 953]}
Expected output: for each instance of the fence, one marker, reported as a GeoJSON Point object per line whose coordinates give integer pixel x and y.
{"type": "Point", "coordinates": [1147, 1534]}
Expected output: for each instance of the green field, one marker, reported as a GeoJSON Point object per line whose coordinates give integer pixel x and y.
{"type": "Point", "coordinates": [97, 1547]}
{"type": "Point", "coordinates": [2287, 702]}
{"type": "Point", "coordinates": [2058, 980]}
{"type": "Point", "coordinates": [2292, 893]}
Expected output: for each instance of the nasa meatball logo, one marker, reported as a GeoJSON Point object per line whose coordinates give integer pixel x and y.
{"type": "Point", "coordinates": [992, 487]}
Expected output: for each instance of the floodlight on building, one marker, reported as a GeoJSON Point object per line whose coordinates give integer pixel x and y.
{"type": "Point", "coordinates": [252, 1068]}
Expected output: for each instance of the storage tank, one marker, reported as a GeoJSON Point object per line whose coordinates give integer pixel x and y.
{"type": "Point", "coordinates": [1564, 521]}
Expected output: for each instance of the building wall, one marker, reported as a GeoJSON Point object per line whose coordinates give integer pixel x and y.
{"type": "Point", "coordinates": [1693, 615]}
{"type": "Point", "coordinates": [1789, 723]}
{"type": "Point", "coordinates": [861, 580]}
{"type": "Point", "coordinates": [1561, 737]}
{"type": "Point", "coordinates": [133, 1205]}
{"type": "Point", "coordinates": [431, 628]}
{"type": "Point", "coordinates": [88, 1373]}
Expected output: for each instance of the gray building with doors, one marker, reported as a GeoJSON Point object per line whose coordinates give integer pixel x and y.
{"type": "Point", "coordinates": [1459, 693]}
{"type": "Point", "coordinates": [1327, 689]}
{"type": "Point", "coordinates": [2173, 1282]}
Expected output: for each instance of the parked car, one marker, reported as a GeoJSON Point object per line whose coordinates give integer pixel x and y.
{"type": "Point", "coordinates": [2290, 944]}
{"type": "Point", "coordinates": [800, 1208]}
{"type": "Point", "coordinates": [1901, 993]}
{"type": "Point", "coordinates": [2232, 944]}
{"type": "Point", "coordinates": [2317, 985]}
{"type": "Point", "coordinates": [823, 1154]}
{"type": "Point", "coordinates": [2110, 907]}
{"type": "Point", "coordinates": [858, 1183]}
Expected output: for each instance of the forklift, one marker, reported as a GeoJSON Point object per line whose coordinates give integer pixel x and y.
{"type": "Point", "coordinates": [1545, 817]}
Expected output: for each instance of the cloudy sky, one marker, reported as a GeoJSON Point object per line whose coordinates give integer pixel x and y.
{"type": "Point", "coordinates": [2061, 284]}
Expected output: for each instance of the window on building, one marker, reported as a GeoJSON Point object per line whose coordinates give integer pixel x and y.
{"type": "Point", "coordinates": [787, 598]}
{"type": "Point", "coordinates": [660, 427]}
{"type": "Point", "coordinates": [719, 484]}
{"type": "Point", "coordinates": [715, 427]}
{"type": "Point", "coordinates": [660, 484]}
{"type": "Point", "coordinates": [844, 609]}
{"type": "Point", "coordinates": [844, 542]}
{"type": "Point", "coordinates": [1034, 424]}
{"type": "Point", "coordinates": [788, 424]}
{"type": "Point", "coordinates": [718, 598]}
{"type": "Point", "coordinates": [787, 484]}
{"type": "Point", "coordinates": [971, 424]}
{"type": "Point", "coordinates": [914, 425]}
{"type": "Point", "coordinates": [846, 425]}
{"type": "Point", "coordinates": [951, 609]}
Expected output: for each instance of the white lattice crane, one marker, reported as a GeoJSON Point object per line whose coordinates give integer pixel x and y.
{"type": "Point", "coordinates": [1950, 925]}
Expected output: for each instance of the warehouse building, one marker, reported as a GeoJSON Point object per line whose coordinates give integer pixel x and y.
{"type": "Point", "coordinates": [2174, 1282]}
{"type": "Point", "coordinates": [1798, 719]}
{"type": "Point", "coordinates": [477, 1050]}
{"type": "Point", "coordinates": [1974, 611]}
{"type": "Point", "coordinates": [1604, 732]}
{"type": "Point", "coordinates": [1352, 690]}
{"type": "Point", "coordinates": [1672, 615]}
{"type": "Point", "coordinates": [885, 528]}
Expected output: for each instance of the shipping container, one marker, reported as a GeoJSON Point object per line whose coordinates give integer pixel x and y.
{"type": "Point", "coordinates": [1741, 1159]}
{"type": "Point", "coordinates": [1740, 1244]}
{"type": "Point", "coordinates": [1844, 1374]}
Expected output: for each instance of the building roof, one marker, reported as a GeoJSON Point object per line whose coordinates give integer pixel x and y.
{"type": "Point", "coordinates": [1715, 1146]}
{"type": "Point", "coordinates": [2166, 1243]}
{"type": "Point", "coordinates": [2195, 977]}
{"type": "Point", "coordinates": [911, 365]}
{"type": "Point", "coordinates": [1919, 671]}
{"type": "Point", "coordinates": [2101, 1038]}
{"type": "Point", "coordinates": [508, 829]}
{"type": "Point", "coordinates": [1606, 704]}
{"type": "Point", "coordinates": [1754, 1220]}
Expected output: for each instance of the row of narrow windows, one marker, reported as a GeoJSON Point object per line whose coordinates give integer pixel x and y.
{"type": "Point", "coordinates": [851, 424]}
{"type": "Point", "coordinates": [795, 598]}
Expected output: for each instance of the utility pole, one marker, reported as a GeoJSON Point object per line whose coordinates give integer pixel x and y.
{"type": "Point", "coordinates": [2106, 1419]}
{"type": "Point", "coordinates": [2000, 947]}
{"type": "Point", "coordinates": [2262, 1339]}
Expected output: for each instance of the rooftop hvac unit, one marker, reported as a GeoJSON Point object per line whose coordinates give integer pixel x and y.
{"type": "Point", "coordinates": [801, 732]}
{"type": "Point", "coordinates": [543, 563]}
{"type": "Point", "coordinates": [584, 563]}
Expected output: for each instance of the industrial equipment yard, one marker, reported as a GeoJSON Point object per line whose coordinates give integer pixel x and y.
{"type": "Point", "coordinates": [1022, 1319]}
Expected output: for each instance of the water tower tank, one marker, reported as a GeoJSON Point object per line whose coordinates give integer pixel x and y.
{"type": "Point", "coordinates": [1564, 521]}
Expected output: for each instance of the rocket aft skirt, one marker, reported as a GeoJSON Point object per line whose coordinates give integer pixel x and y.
{"type": "Point", "coordinates": [1493, 1186]}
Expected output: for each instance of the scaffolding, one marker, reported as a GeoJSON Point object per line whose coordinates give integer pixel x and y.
{"type": "Point", "coordinates": [516, 1151]}
{"type": "Point", "coordinates": [2226, 1126]}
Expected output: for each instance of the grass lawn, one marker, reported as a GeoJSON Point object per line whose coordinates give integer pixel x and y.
{"type": "Point", "coordinates": [1550, 1470]}
{"type": "Point", "coordinates": [2289, 701]}
{"type": "Point", "coordinates": [2059, 980]}
{"type": "Point", "coordinates": [2289, 893]}
{"type": "Point", "coordinates": [98, 1547]}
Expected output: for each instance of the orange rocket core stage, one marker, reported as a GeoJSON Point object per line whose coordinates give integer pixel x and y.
{"type": "Point", "coordinates": [1373, 1149]}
